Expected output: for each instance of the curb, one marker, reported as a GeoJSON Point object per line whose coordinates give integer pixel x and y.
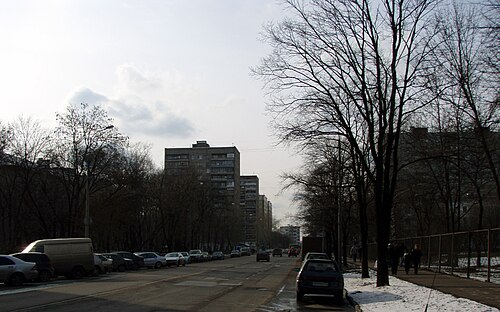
{"type": "Point", "coordinates": [353, 303]}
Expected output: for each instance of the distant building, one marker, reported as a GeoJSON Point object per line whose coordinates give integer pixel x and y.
{"type": "Point", "coordinates": [219, 166]}
{"type": "Point", "coordinates": [249, 190]}
{"type": "Point", "coordinates": [293, 232]}
{"type": "Point", "coordinates": [264, 220]}
{"type": "Point", "coordinates": [257, 212]}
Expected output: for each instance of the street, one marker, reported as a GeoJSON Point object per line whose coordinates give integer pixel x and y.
{"type": "Point", "coordinates": [238, 284]}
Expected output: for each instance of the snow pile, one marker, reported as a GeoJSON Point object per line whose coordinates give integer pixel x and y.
{"type": "Point", "coordinates": [404, 296]}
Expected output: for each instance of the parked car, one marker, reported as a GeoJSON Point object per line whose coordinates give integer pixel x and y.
{"type": "Point", "coordinates": [245, 251]}
{"type": "Point", "coordinates": [235, 254]}
{"type": "Point", "coordinates": [175, 258]}
{"type": "Point", "coordinates": [43, 264]}
{"type": "Point", "coordinates": [205, 256]}
{"type": "Point", "coordinates": [152, 259]}
{"type": "Point", "coordinates": [71, 257]}
{"type": "Point", "coordinates": [263, 255]}
{"type": "Point", "coordinates": [217, 255]}
{"type": "Point", "coordinates": [102, 264]}
{"type": "Point", "coordinates": [14, 271]}
{"type": "Point", "coordinates": [320, 276]}
{"type": "Point", "coordinates": [138, 261]}
{"type": "Point", "coordinates": [277, 252]}
{"type": "Point", "coordinates": [187, 257]}
{"type": "Point", "coordinates": [315, 255]}
{"type": "Point", "coordinates": [120, 264]}
{"type": "Point", "coordinates": [196, 255]}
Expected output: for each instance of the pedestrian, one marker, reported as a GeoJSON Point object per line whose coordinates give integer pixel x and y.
{"type": "Point", "coordinates": [394, 254]}
{"type": "Point", "coordinates": [354, 252]}
{"type": "Point", "coordinates": [416, 255]}
{"type": "Point", "coordinates": [407, 261]}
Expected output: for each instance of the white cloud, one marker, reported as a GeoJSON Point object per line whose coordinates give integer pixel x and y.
{"type": "Point", "coordinates": [138, 105]}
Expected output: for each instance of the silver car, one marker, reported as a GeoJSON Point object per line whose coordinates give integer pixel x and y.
{"type": "Point", "coordinates": [152, 259]}
{"type": "Point", "coordinates": [175, 258]}
{"type": "Point", "coordinates": [15, 272]}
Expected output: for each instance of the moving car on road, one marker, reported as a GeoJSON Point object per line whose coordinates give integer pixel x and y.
{"type": "Point", "coordinates": [277, 252]}
{"type": "Point", "coordinates": [320, 276]}
{"type": "Point", "coordinates": [263, 255]}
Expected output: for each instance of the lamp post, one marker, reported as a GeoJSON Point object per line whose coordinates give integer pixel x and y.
{"type": "Point", "coordinates": [339, 212]}
{"type": "Point", "coordinates": [86, 220]}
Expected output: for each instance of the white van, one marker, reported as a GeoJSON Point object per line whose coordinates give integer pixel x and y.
{"type": "Point", "coordinates": [71, 257]}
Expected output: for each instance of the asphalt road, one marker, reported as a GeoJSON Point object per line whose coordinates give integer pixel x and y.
{"type": "Point", "coordinates": [239, 284]}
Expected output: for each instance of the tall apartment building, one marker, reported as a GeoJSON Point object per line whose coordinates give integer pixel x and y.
{"type": "Point", "coordinates": [264, 220]}
{"type": "Point", "coordinates": [249, 190]}
{"type": "Point", "coordinates": [446, 182]}
{"type": "Point", "coordinates": [293, 232]}
{"type": "Point", "coordinates": [219, 166]}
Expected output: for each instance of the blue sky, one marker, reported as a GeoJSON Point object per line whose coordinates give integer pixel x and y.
{"type": "Point", "coordinates": [169, 72]}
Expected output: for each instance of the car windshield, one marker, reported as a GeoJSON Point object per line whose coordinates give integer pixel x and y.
{"type": "Point", "coordinates": [320, 267]}
{"type": "Point", "coordinates": [172, 254]}
{"type": "Point", "coordinates": [317, 256]}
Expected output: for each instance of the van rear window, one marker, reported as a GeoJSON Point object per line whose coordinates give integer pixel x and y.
{"type": "Point", "coordinates": [39, 248]}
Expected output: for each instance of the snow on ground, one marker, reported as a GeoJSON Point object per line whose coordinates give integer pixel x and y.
{"type": "Point", "coordinates": [404, 296]}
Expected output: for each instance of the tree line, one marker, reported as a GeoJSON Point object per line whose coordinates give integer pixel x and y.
{"type": "Point", "coordinates": [348, 80]}
{"type": "Point", "coordinates": [49, 176]}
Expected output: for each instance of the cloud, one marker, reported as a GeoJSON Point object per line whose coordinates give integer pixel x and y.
{"type": "Point", "coordinates": [85, 95]}
{"type": "Point", "coordinates": [140, 104]}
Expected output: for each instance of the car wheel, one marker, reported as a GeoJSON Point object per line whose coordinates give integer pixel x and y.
{"type": "Point", "coordinates": [77, 272]}
{"type": "Point", "coordinates": [44, 276]}
{"type": "Point", "coordinates": [16, 279]}
{"type": "Point", "coordinates": [300, 295]}
{"type": "Point", "coordinates": [157, 265]}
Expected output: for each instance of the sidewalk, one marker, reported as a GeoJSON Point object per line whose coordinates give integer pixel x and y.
{"type": "Point", "coordinates": [482, 292]}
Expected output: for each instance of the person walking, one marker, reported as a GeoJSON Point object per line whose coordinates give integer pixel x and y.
{"type": "Point", "coordinates": [394, 254]}
{"type": "Point", "coordinates": [407, 261]}
{"type": "Point", "coordinates": [416, 255]}
{"type": "Point", "coordinates": [354, 252]}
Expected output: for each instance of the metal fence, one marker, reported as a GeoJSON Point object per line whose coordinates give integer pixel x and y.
{"type": "Point", "coordinates": [473, 254]}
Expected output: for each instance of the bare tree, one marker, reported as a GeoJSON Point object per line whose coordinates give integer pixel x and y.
{"type": "Point", "coordinates": [349, 67]}
{"type": "Point", "coordinates": [87, 145]}
{"type": "Point", "coordinates": [465, 62]}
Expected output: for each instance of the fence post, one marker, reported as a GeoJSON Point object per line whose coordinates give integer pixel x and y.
{"type": "Point", "coordinates": [489, 256]}
{"type": "Point", "coordinates": [429, 254]}
{"type": "Point", "coordinates": [468, 253]}
{"type": "Point", "coordinates": [451, 256]}
{"type": "Point", "coordinates": [439, 251]}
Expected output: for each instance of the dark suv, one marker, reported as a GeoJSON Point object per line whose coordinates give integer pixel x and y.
{"type": "Point", "coordinates": [277, 252]}
{"type": "Point", "coordinates": [138, 260]}
{"type": "Point", "coordinates": [43, 264]}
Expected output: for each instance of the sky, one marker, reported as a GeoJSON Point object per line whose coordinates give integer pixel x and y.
{"type": "Point", "coordinates": [169, 72]}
